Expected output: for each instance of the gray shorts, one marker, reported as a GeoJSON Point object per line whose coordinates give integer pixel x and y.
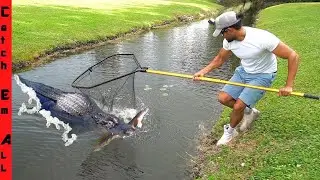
{"type": "Point", "coordinates": [249, 96]}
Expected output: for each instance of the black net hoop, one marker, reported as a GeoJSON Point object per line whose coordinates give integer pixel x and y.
{"type": "Point", "coordinates": [110, 82]}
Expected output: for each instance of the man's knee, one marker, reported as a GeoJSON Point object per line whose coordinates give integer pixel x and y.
{"type": "Point", "coordinates": [224, 98]}
{"type": "Point", "coordinates": [239, 105]}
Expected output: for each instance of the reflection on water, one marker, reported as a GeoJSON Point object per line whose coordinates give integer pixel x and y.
{"type": "Point", "coordinates": [112, 159]}
{"type": "Point", "coordinates": [168, 137]}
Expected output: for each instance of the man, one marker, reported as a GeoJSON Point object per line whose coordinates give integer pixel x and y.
{"type": "Point", "coordinates": [258, 50]}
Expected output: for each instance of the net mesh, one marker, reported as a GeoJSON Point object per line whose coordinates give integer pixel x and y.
{"type": "Point", "coordinates": [110, 82]}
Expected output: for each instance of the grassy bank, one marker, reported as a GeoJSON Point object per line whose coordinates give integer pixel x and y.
{"type": "Point", "coordinates": [44, 27]}
{"type": "Point", "coordinates": [284, 143]}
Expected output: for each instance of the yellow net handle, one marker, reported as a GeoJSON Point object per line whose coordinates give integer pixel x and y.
{"type": "Point", "coordinates": [226, 82]}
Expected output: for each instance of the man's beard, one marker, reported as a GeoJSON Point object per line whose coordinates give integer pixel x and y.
{"type": "Point", "coordinates": [230, 40]}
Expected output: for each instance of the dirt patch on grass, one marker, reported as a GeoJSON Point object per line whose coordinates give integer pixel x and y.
{"type": "Point", "coordinates": [202, 165]}
{"type": "Point", "coordinates": [206, 146]}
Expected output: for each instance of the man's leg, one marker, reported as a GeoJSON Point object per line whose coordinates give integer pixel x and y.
{"type": "Point", "coordinates": [225, 99]}
{"type": "Point", "coordinates": [229, 97]}
{"type": "Point", "coordinates": [230, 93]}
{"type": "Point", "coordinates": [236, 116]}
{"type": "Point", "coordinates": [251, 96]}
{"type": "Point", "coordinates": [237, 113]}
{"type": "Point", "coordinates": [238, 107]}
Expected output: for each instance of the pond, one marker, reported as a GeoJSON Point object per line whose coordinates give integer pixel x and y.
{"type": "Point", "coordinates": [180, 111]}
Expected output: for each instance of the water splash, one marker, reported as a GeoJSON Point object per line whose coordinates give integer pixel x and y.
{"type": "Point", "coordinates": [46, 114]}
{"type": "Point", "coordinates": [126, 114]}
{"type": "Point", "coordinates": [147, 88]}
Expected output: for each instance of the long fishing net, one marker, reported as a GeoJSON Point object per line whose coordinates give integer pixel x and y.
{"type": "Point", "coordinates": [110, 82]}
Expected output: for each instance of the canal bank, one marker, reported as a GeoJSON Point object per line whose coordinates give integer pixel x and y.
{"type": "Point", "coordinates": [284, 142]}
{"type": "Point", "coordinates": [43, 32]}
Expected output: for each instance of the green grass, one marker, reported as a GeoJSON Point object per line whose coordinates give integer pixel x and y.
{"type": "Point", "coordinates": [284, 143]}
{"type": "Point", "coordinates": [44, 26]}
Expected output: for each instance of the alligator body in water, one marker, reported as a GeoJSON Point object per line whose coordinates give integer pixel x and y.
{"type": "Point", "coordinates": [82, 113]}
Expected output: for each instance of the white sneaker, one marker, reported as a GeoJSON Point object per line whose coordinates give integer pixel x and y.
{"type": "Point", "coordinates": [249, 118]}
{"type": "Point", "coordinates": [227, 137]}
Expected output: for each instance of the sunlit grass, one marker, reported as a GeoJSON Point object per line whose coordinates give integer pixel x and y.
{"type": "Point", "coordinates": [40, 26]}
{"type": "Point", "coordinates": [111, 4]}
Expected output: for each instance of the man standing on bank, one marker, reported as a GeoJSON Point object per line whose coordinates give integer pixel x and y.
{"type": "Point", "coordinates": [258, 50]}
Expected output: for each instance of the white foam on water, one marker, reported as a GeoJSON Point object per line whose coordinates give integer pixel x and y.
{"type": "Point", "coordinates": [46, 114]}
{"type": "Point", "coordinates": [126, 114]}
{"type": "Point", "coordinates": [165, 94]}
{"type": "Point", "coordinates": [147, 88]}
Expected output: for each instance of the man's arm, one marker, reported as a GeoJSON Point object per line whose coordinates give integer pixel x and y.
{"type": "Point", "coordinates": [285, 52]}
{"type": "Point", "coordinates": [216, 62]}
